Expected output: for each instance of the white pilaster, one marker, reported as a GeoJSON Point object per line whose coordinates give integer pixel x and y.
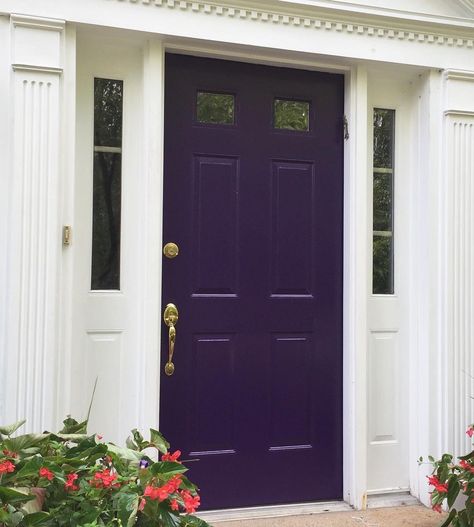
{"type": "Point", "coordinates": [459, 263]}
{"type": "Point", "coordinates": [5, 191]}
{"type": "Point", "coordinates": [34, 243]}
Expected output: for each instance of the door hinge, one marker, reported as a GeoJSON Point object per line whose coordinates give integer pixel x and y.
{"type": "Point", "coordinates": [346, 128]}
{"type": "Point", "coordinates": [66, 235]}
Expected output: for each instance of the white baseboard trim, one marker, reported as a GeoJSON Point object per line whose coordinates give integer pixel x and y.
{"type": "Point", "coordinates": [274, 511]}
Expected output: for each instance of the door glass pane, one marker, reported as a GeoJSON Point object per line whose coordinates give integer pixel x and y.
{"type": "Point", "coordinates": [215, 108]}
{"type": "Point", "coordinates": [107, 191]}
{"type": "Point", "coordinates": [291, 115]}
{"type": "Point", "coordinates": [383, 174]}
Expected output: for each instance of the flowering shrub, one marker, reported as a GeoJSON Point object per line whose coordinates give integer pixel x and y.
{"type": "Point", "coordinates": [73, 479]}
{"type": "Point", "coordinates": [449, 480]}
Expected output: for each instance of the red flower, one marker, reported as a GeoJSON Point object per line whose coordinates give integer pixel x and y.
{"type": "Point", "coordinates": [156, 493]}
{"type": "Point", "coordinates": [437, 508]}
{"type": "Point", "coordinates": [441, 487]}
{"type": "Point", "coordinates": [46, 473]}
{"type": "Point", "coordinates": [104, 479]}
{"type": "Point", "coordinates": [433, 480]}
{"type": "Point", "coordinates": [70, 479]}
{"type": "Point", "coordinates": [172, 457]}
{"type": "Point", "coordinates": [470, 431]}
{"type": "Point", "coordinates": [142, 504]}
{"type": "Point", "coordinates": [466, 466]}
{"type": "Point", "coordinates": [173, 484]}
{"type": "Point", "coordinates": [191, 503]}
{"type": "Point", "coordinates": [174, 505]}
{"type": "Point", "coordinates": [6, 466]}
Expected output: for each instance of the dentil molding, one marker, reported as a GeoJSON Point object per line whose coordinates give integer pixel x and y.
{"type": "Point", "coordinates": [266, 16]}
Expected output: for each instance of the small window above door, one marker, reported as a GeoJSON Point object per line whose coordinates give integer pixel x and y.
{"type": "Point", "coordinates": [215, 108]}
{"type": "Point", "coordinates": [291, 115]}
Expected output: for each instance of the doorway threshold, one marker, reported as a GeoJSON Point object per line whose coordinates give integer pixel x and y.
{"type": "Point", "coordinates": [274, 511]}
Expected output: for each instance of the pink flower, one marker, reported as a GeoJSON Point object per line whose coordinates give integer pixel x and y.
{"type": "Point", "coordinates": [46, 473]}
{"type": "Point", "coordinates": [172, 457]}
{"type": "Point", "coordinates": [470, 431]}
{"type": "Point", "coordinates": [174, 505]}
{"type": "Point", "coordinates": [142, 504]}
{"type": "Point", "coordinates": [466, 466]}
{"type": "Point", "coordinates": [156, 493]}
{"type": "Point", "coordinates": [70, 479]}
{"type": "Point", "coordinates": [441, 487]}
{"type": "Point", "coordinates": [104, 479]}
{"type": "Point", "coordinates": [437, 508]}
{"type": "Point", "coordinates": [191, 503]}
{"type": "Point", "coordinates": [6, 466]}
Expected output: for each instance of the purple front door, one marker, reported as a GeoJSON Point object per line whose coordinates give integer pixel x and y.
{"type": "Point", "coordinates": [253, 196]}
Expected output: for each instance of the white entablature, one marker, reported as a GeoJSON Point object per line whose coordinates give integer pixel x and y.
{"type": "Point", "coordinates": [403, 8]}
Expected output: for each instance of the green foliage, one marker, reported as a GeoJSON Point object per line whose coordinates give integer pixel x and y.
{"type": "Point", "coordinates": [449, 480]}
{"type": "Point", "coordinates": [73, 479]}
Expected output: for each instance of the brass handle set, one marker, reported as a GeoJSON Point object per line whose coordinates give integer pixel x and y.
{"type": "Point", "coordinates": [170, 317]}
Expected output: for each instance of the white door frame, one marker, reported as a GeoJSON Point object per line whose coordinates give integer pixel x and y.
{"type": "Point", "coordinates": [355, 246]}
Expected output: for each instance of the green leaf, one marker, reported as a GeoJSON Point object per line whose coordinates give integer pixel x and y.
{"type": "Point", "coordinates": [128, 508]}
{"type": "Point", "coordinates": [449, 519]}
{"type": "Point", "coordinates": [158, 441]}
{"type": "Point", "coordinates": [36, 518]}
{"type": "Point", "coordinates": [453, 490]}
{"type": "Point", "coordinates": [169, 518]}
{"type": "Point", "coordinates": [125, 454]}
{"type": "Point", "coordinates": [31, 468]}
{"type": "Point", "coordinates": [467, 456]}
{"type": "Point", "coordinates": [24, 442]}
{"type": "Point", "coordinates": [168, 468]}
{"type": "Point", "coordinates": [9, 495]}
{"type": "Point", "coordinates": [71, 426]}
{"type": "Point", "coordinates": [10, 429]}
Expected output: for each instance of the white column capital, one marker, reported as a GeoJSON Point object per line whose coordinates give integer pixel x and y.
{"type": "Point", "coordinates": [458, 92]}
{"type": "Point", "coordinates": [37, 43]}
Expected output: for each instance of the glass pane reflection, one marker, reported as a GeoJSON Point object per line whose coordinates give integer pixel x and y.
{"type": "Point", "coordinates": [291, 115]}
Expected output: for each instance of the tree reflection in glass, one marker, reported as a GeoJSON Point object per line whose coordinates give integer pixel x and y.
{"type": "Point", "coordinates": [107, 195]}
{"type": "Point", "coordinates": [383, 244]}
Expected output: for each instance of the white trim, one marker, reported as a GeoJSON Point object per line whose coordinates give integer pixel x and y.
{"type": "Point", "coordinates": [460, 75]}
{"type": "Point", "coordinates": [274, 511]}
{"type": "Point", "coordinates": [359, 27]}
{"type": "Point", "coordinates": [459, 113]}
{"type": "Point", "coordinates": [51, 24]}
{"type": "Point", "coordinates": [28, 67]}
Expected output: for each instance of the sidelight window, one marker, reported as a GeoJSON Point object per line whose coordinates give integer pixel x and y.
{"type": "Point", "coordinates": [383, 177]}
{"type": "Point", "coordinates": [107, 190]}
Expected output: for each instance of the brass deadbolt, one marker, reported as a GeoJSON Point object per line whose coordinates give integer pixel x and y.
{"type": "Point", "coordinates": [171, 250]}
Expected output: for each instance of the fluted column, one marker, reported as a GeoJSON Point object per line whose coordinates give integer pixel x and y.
{"type": "Point", "coordinates": [458, 361]}
{"type": "Point", "coordinates": [34, 241]}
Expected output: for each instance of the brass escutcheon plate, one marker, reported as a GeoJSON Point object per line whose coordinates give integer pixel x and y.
{"type": "Point", "coordinates": [171, 315]}
{"type": "Point", "coordinates": [169, 369]}
{"type": "Point", "coordinates": [171, 250]}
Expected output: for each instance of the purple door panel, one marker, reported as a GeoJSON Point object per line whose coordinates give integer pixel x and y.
{"type": "Point", "coordinates": [253, 198]}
